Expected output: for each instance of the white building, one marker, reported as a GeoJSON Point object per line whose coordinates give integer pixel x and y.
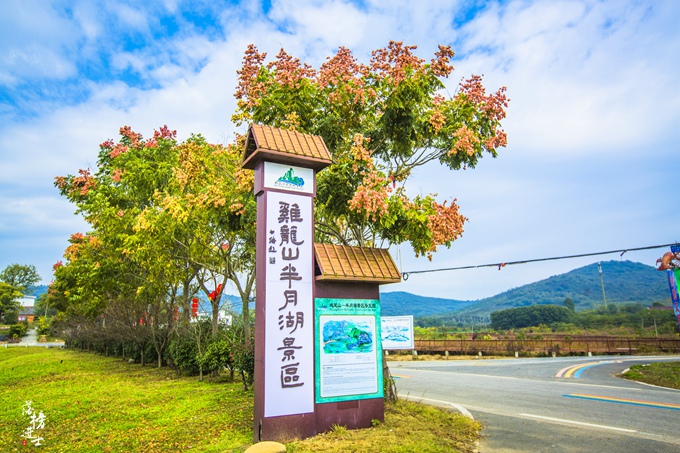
{"type": "Point", "coordinates": [27, 301]}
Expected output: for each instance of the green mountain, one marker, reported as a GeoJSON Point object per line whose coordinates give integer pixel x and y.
{"type": "Point", "coordinates": [37, 291]}
{"type": "Point", "coordinates": [400, 303]}
{"type": "Point", "coordinates": [624, 282]}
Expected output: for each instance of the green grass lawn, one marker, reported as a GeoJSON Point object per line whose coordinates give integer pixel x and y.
{"type": "Point", "coordinates": [97, 404]}
{"type": "Point", "coordinates": [664, 374]}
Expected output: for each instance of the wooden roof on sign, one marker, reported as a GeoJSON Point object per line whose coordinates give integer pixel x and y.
{"type": "Point", "coordinates": [355, 264]}
{"type": "Point", "coordinates": [284, 147]}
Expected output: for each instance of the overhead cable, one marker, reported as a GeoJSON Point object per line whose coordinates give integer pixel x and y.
{"type": "Point", "coordinates": [500, 265]}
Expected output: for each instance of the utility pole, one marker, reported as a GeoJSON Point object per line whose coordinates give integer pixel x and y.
{"type": "Point", "coordinates": [604, 296]}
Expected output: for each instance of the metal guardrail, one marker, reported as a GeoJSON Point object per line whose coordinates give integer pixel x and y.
{"type": "Point", "coordinates": [32, 345]}
{"type": "Point", "coordinates": [598, 345]}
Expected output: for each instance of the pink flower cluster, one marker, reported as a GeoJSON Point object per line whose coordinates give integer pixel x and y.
{"type": "Point", "coordinates": [117, 175]}
{"type": "Point", "coordinates": [362, 156]}
{"type": "Point", "coordinates": [446, 224]}
{"type": "Point", "coordinates": [493, 105]}
{"type": "Point", "coordinates": [289, 71]}
{"type": "Point", "coordinates": [117, 150]}
{"type": "Point", "coordinates": [465, 141]}
{"type": "Point", "coordinates": [394, 60]}
{"type": "Point", "coordinates": [440, 65]}
{"type": "Point", "coordinates": [83, 183]}
{"type": "Point", "coordinates": [371, 196]}
{"type": "Point", "coordinates": [164, 132]}
{"type": "Point", "coordinates": [248, 89]}
{"type": "Point", "coordinates": [134, 137]}
{"type": "Point", "coordinates": [342, 70]}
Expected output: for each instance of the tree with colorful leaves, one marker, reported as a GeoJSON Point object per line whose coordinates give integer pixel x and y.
{"type": "Point", "coordinates": [380, 121]}
{"type": "Point", "coordinates": [169, 216]}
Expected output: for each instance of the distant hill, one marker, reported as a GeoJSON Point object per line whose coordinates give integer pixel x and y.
{"type": "Point", "coordinates": [624, 282]}
{"type": "Point", "coordinates": [402, 303]}
{"type": "Point", "coordinates": [37, 291]}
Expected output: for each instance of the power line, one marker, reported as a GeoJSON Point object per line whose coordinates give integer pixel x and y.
{"type": "Point", "coordinates": [406, 275]}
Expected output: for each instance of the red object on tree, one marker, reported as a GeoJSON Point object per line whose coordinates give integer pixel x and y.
{"type": "Point", "coordinates": [194, 307]}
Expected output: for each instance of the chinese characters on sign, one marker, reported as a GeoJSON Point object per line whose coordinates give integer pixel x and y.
{"type": "Point", "coordinates": [289, 354]}
{"type": "Point", "coordinates": [37, 423]}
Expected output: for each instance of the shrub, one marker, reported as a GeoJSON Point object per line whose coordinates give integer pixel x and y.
{"type": "Point", "coordinates": [217, 356]}
{"type": "Point", "coordinates": [44, 326]}
{"type": "Point", "coordinates": [183, 353]}
{"type": "Point", "coordinates": [17, 330]}
{"type": "Point", "coordinates": [244, 361]}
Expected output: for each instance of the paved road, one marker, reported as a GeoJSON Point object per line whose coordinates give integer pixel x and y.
{"type": "Point", "coordinates": [572, 404]}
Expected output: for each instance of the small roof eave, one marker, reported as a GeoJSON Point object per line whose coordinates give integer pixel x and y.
{"type": "Point", "coordinates": [285, 147]}
{"type": "Point", "coordinates": [355, 264]}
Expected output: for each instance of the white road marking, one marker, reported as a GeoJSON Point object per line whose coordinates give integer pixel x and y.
{"type": "Point", "coordinates": [573, 422]}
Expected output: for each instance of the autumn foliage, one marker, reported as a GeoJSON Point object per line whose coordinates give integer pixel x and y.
{"type": "Point", "coordinates": [168, 220]}
{"type": "Point", "coordinates": [381, 121]}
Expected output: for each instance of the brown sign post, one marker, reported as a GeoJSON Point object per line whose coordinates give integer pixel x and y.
{"type": "Point", "coordinates": [318, 359]}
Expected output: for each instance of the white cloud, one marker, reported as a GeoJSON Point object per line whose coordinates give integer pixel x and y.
{"type": "Point", "coordinates": [85, 14]}
{"type": "Point", "coordinates": [574, 70]}
{"type": "Point", "coordinates": [129, 17]}
{"type": "Point", "coordinates": [334, 23]}
{"type": "Point", "coordinates": [33, 40]}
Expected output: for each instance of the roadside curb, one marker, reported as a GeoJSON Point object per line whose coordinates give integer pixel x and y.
{"type": "Point", "coordinates": [438, 403]}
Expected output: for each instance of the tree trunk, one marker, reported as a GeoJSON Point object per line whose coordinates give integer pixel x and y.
{"type": "Point", "coordinates": [245, 309]}
{"type": "Point", "coordinates": [389, 386]}
{"type": "Point", "coordinates": [245, 382]}
{"type": "Point", "coordinates": [142, 351]}
{"type": "Point", "coordinates": [215, 305]}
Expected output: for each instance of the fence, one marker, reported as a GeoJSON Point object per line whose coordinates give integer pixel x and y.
{"type": "Point", "coordinates": [582, 345]}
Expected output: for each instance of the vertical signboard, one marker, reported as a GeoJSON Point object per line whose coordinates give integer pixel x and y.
{"type": "Point", "coordinates": [348, 350]}
{"type": "Point", "coordinates": [289, 335]}
{"type": "Point", "coordinates": [397, 332]}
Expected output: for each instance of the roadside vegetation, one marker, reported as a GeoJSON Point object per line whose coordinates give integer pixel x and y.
{"type": "Point", "coordinates": [663, 374]}
{"type": "Point", "coordinates": [409, 427]}
{"type": "Point", "coordinates": [631, 320]}
{"type": "Point", "coordinates": [98, 404]}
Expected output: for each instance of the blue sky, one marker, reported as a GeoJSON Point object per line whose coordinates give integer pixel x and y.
{"type": "Point", "coordinates": [592, 160]}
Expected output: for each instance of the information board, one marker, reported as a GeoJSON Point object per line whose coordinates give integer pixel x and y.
{"type": "Point", "coordinates": [348, 350]}
{"type": "Point", "coordinates": [396, 332]}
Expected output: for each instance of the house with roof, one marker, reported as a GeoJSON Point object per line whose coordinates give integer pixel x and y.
{"type": "Point", "coordinates": [27, 310]}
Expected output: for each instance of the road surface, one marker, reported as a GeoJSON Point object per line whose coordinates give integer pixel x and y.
{"type": "Point", "coordinates": [566, 404]}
